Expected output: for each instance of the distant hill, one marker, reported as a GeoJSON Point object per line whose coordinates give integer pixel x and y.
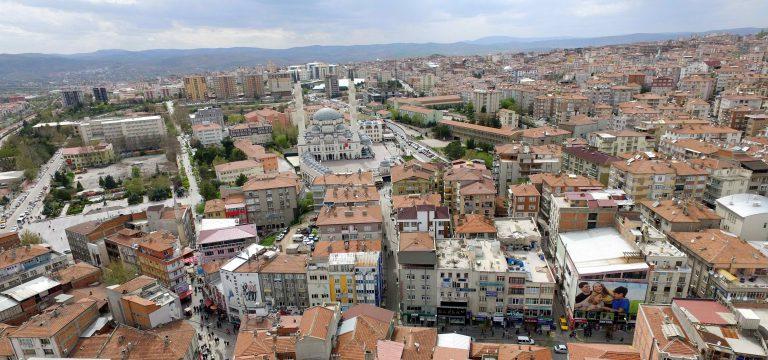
{"type": "Point", "coordinates": [118, 64]}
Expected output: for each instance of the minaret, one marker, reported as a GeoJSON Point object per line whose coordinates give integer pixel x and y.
{"type": "Point", "coordinates": [352, 104]}
{"type": "Point", "coordinates": [298, 113]}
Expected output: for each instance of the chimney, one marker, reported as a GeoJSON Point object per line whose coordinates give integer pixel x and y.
{"type": "Point", "coordinates": [166, 341]}
{"type": "Point", "coordinates": [369, 355]}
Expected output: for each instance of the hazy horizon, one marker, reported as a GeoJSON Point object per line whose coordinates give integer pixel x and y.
{"type": "Point", "coordinates": [78, 26]}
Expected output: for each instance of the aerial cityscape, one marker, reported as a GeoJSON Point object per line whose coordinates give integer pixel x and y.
{"type": "Point", "coordinates": [584, 180]}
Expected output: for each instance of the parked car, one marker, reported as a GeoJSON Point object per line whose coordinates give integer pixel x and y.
{"type": "Point", "coordinates": [561, 349]}
{"type": "Point", "coordinates": [524, 340]}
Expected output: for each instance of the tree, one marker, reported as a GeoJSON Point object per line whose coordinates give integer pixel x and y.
{"type": "Point", "coordinates": [208, 190]}
{"type": "Point", "coordinates": [30, 238]}
{"type": "Point", "coordinates": [218, 160]}
{"type": "Point", "coordinates": [241, 179]}
{"type": "Point", "coordinates": [228, 146]}
{"type": "Point", "coordinates": [101, 181]}
{"type": "Point", "coordinates": [442, 131]}
{"type": "Point", "coordinates": [237, 155]}
{"type": "Point", "coordinates": [200, 208]}
{"type": "Point", "coordinates": [306, 204]}
{"type": "Point", "coordinates": [454, 150]}
{"type": "Point", "coordinates": [79, 187]}
{"type": "Point", "coordinates": [134, 199]}
{"type": "Point", "coordinates": [109, 182]}
{"type": "Point", "coordinates": [470, 143]}
{"type": "Point", "coordinates": [118, 272]}
{"type": "Point", "coordinates": [135, 172]}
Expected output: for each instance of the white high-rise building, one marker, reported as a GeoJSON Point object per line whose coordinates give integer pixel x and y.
{"type": "Point", "coordinates": [125, 134]}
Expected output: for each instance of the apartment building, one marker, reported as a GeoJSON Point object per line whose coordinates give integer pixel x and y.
{"type": "Point", "coordinates": [253, 86]}
{"type": "Point", "coordinates": [269, 116]}
{"type": "Point", "coordinates": [588, 162]}
{"type": "Point", "coordinates": [417, 259]}
{"type": "Point", "coordinates": [195, 88]}
{"type": "Point", "coordinates": [177, 220]}
{"type": "Point", "coordinates": [352, 196]}
{"type": "Point", "coordinates": [683, 329]}
{"type": "Point", "coordinates": [72, 98]}
{"type": "Point", "coordinates": [688, 148]}
{"type": "Point", "coordinates": [725, 267]}
{"type": "Point", "coordinates": [258, 153]}
{"type": "Point", "coordinates": [160, 256]}
{"type": "Point", "coordinates": [428, 218]}
{"type": "Point", "coordinates": [414, 177]}
{"type": "Point", "coordinates": [254, 132]}
{"type": "Point", "coordinates": [461, 174]}
{"type": "Point", "coordinates": [669, 276]}
{"type": "Point", "coordinates": [745, 215]}
{"type": "Point", "coordinates": [54, 333]}
{"type": "Point", "coordinates": [523, 201]}
{"type": "Point", "coordinates": [279, 84]}
{"type": "Point", "coordinates": [678, 216]}
{"type": "Point", "coordinates": [271, 200]}
{"type": "Point", "coordinates": [543, 136]}
{"type": "Point", "coordinates": [581, 126]}
{"type": "Point", "coordinates": [176, 340]}
{"type": "Point", "coordinates": [224, 243]}
{"type": "Point", "coordinates": [21, 264]}
{"type": "Point", "coordinates": [551, 184]}
{"type": "Point", "coordinates": [122, 245]}
{"type": "Point", "coordinates": [486, 101]}
{"type": "Point", "coordinates": [86, 240]}
{"type": "Point", "coordinates": [584, 210]}
{"type": "Point", "coordinates": [228, 173]}
{"type": "Point", "coordinates": [322, 183]}
{"type": "Point", "coordinates": [208, 114]}
{"type": "Point", "coordinates": [515, 162]}
{"type": "Point", "coordinates": [78, 158]}
{"type": "Point", "coordinates": [622, 264]}
{"type": "Point", "coordinates": [724, 178]}
{"type": "Point", "coordinates": [125, 134]}
{"type": "Point", "coordinates": [726, 103]}
{"type": "Point", "coordinates": [657, 179]}
{"type": "Point", "coordinates": [708, 133]}
{"type": "Point", "coordinates": [504, 286]}
{"type": "Point", "coordinates": [346, 273]}
{"type": "Point", "coordinates": [208, 133]}
{"type": "Point", "coordinates": [620, 142]}
{"type": "Point", "coordinates": [475, 226]}
{"type": "Point", "coordinates": [477, 197]}
{"type": "Point", "coordinates": [350, 223]}
{"type": "Point", "coordinates": [355, 278]}
{"type": "Point", "coordinates": [143, 302]}
{"type": "Point", "coordinates": [238, 277]}
{"type": "Point", "coordinates": [225, 87]}
{"type": "Point", "coordinates": [283, 280]}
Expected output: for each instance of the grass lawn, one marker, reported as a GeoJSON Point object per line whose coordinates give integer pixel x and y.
{"type": "Point", "coordinates": [474, 154]}
{"type": "Point", "coordinates": [269, 240]}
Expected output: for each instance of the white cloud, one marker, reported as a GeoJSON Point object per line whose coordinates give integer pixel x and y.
{"type": "Point", "coordinates": [588, 8]}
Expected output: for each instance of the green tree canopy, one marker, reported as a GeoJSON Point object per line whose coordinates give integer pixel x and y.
{"type": "Point", "coordinates": [454, 150]}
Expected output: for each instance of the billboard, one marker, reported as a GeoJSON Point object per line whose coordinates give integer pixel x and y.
{"type": "Point", "coordinates": [605, 300]}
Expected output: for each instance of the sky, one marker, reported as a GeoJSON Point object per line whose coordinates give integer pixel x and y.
{"type": "Point", "coordinates": [75, 26]}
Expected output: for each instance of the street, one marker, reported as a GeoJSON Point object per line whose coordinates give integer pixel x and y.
{"type": "Point", "coordinates": [391, 293]}
{"type": "Point", "coordinates": [35, 192]}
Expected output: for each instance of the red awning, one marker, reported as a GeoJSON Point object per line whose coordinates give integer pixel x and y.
{"type": "Point", "coordinates": [185, 294]}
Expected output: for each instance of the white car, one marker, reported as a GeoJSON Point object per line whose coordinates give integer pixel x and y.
{"type": "Point", "coordinates": [560, 349]}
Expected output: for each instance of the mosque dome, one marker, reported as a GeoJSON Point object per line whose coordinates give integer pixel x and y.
{"type": "Point", "coordinates": [326, 114]}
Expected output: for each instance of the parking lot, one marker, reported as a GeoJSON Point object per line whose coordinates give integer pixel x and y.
{"type": "Point", "coordinates": [122, 169]}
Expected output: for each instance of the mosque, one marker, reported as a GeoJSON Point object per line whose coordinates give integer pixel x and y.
{"type": "Point", "coordinates": [327, 137]}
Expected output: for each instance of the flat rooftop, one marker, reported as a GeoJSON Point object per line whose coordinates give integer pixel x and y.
{"type": "Point", "coordinates": [521, 228]}
{"type": "Point", "coordinates": [613, 251]}
{"type": "Point", "coordinates": [533, 263]}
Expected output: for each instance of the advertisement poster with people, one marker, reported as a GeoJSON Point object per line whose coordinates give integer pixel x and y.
{"type": "Point", "coordinates": [608, 300]}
